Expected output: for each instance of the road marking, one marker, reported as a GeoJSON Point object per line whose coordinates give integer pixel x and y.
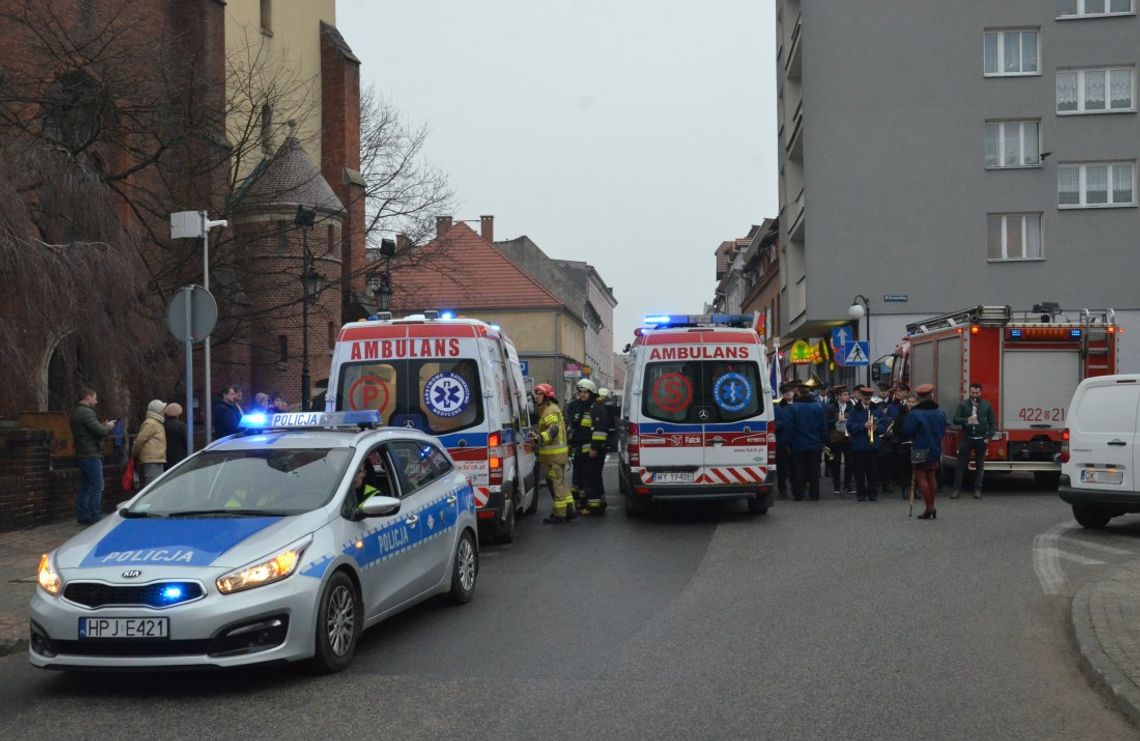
{"type": "Point", "coordinates": [1096, 546]}
{"type": "Point", "coordinates": [1046, 558]}
{"type": "Point", "coordinates": [1083, 560]}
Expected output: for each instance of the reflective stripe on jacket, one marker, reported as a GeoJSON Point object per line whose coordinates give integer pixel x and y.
{"type": "Point", "coordinates": [552, 446]}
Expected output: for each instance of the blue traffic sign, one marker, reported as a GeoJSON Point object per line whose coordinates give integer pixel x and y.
{"type": "Point", "coordinates": [840, 336]}
{"type": "Point", "coordinates": [856, 353]}
{"type": "Point", "coordinates": [525, 365]}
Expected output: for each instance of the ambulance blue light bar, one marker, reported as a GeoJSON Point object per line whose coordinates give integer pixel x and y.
{"type": "Point", "coordinates": [660, 321]}
{"type": "Point", "coordinates": [301, 420]}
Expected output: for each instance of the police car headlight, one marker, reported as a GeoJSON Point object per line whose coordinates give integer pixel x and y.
{"type": "Point", "coordinates": [47, 577]}
{"type": "Point", "coordinates": [272, 569]}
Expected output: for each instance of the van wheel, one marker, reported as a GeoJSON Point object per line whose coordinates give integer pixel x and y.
{"type": "Point", "coordinates": [534, 499]}
{"type": "Point", "coordinates": [758, 505]}
{"type": "Point", "coordinates": [1047, 479]}
{"type": "Point", "coordinates": [635, 507]}
{"type": "Point", "coordinates": [505, 533]}
{"type": "Point", "coordinates": [339, 623]}
{"type": "Point", "coordinates": [464, 570]}
{"type": "Point", "coordinates": [1091, 516]}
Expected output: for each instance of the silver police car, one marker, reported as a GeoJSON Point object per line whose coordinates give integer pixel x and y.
{"type": "Point", "coordinates": [278, 544]}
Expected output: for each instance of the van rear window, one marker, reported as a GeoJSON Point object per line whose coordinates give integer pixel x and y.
{"type": "Point", "coordinates": [437, 396]}
{"type": "Point", "coordinates": [681, 391]}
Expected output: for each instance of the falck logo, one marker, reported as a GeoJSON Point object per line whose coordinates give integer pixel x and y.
{"type": "Point", "coordinates": [132, 573]}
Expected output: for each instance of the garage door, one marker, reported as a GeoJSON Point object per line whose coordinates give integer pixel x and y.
{"type": "Point", "coordinates": [1037, 387]}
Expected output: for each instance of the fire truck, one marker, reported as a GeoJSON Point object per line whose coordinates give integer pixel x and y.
{"type": "Point", "coordinates": [1028, 362]}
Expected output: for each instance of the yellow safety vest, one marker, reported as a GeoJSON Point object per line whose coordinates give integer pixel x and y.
{"type": "Point", "coordinates": [551, 434]}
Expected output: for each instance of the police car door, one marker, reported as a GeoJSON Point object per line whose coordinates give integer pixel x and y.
{"type": "Point", "coordinates": [736, 426]}
{"type": "Point", "coordinates": [430, 510]}
{"type": "Point", "coordinates": [381, 545]}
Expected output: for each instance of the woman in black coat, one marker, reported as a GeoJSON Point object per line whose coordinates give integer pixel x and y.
{"type": "Point", "coordinates": [175, 435]}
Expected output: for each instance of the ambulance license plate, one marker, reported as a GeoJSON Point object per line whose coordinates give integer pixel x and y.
{"type": "Point", "coordinates": [1102, 476]}
{"type": "Point", "coordinates": [673, 477]}
{"type": "Point", "coordinates": [132, 627]}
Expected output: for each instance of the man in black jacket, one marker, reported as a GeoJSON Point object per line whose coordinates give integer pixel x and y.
{"type": "Point", "coordinates": [227, 411]}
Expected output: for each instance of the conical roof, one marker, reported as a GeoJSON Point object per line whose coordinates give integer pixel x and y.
{"type": "Point", "coordinates": [286, 179]}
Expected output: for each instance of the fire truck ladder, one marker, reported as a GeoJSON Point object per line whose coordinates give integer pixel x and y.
{"type": "Point", "coordinates": [1099, 321]}
{"type": "Point", "coordinates": [993, 316]}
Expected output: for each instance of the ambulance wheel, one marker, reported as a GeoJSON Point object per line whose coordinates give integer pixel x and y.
{"type": "Point", "coordinates": [339, 623]}
{"type": "Point", "coordinates": [758, 505]}
{"type": "Point", "coordinates": [465, 570]}
{"type": "Point", "coordinates": [505, 531]}
{"type": "Point", "coordinates": [534, 499]}
{"type": "Point", "coordinates": [635, 507]}
{"type": "Point", "coordinates": [1091, 516]}
{"type": "Point", "coordinates": [623, 485]}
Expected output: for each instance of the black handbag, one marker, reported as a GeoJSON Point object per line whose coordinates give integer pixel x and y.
{"type": "Point", "coordinates": [918, 455]}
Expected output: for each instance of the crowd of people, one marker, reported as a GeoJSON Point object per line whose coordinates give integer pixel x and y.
{"type": "Point", "coordinates": [882, 440]}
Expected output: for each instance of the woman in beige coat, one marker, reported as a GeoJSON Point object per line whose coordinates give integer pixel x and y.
{"type": "Point", "coordinates": [149, 449]}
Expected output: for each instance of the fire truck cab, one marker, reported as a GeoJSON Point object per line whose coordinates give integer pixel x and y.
{"type": "Point", "coordinates": [1029, 363]}
{"type": "Point", "coordinates": [457, 379]}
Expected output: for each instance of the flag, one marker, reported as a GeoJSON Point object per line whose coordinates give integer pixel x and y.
{"type": "Point", "coordinates": [774, 374]}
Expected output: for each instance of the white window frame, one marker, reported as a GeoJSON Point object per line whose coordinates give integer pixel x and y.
{"type": "Point", "coordinates": [1082, 185]}
{"type": "Point", "coordinates": [1019, 220]}
{"type": "Point", "coordinates": [1000, 34]}
{"type": "Point", "coordinates": [1081, 72]}
{"type": "Point", "coordinates": [1107, 13]}
{"type": "Point", "coordinates": [1002, 125]}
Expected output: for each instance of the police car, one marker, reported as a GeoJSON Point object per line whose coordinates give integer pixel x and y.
{"type": "Point", "coordinates": [281, 543]}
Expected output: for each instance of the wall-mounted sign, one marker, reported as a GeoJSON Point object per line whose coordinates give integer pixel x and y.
{"type": "Point", "coordinates": [801, 353]}
{"type": "Point", "coordinates": [896, 298]}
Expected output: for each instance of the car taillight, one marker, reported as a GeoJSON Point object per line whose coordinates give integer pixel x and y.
{"type": "Point", "coordinates": [634, 445]}
{"type": "Point", "coordinates": [1065, 445]}
{"type": "Point", "coordinates": [770, 439]}
{"type": "Point", "coordinates": [495, 459]}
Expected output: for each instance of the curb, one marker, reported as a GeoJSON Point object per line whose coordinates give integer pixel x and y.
{"type": "Point", "coordinates": [1095, 663]}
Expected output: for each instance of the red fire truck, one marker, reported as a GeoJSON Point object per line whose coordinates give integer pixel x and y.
{"type": "Point", "coordinates": [1029, 364]}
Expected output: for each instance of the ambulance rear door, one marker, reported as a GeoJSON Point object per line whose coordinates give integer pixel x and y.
{"type": "Point", "coordinates": [670, 430]}
{"type": "Point", "coordinates": [737, 410]}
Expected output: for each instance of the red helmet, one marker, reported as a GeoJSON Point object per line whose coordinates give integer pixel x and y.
{"type": "Point", "coordinates": [546, 390]}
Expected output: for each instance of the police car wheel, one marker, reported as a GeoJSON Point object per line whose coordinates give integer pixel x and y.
{"type": "Point", "coordinates": [338, 624]}
{"type": "Point", "coordinates": [465, 570]}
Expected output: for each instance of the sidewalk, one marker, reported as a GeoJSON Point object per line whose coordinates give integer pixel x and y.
{"type": "Point", "coordinates": [1106, 630]}
{"type": "Point", "coordinates": [20, 552]}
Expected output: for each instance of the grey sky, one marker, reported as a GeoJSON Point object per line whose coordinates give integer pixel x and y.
{"type": "Point", "coordinates": [633, 134]}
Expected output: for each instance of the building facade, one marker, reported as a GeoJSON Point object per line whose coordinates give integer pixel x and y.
{"type": "Point", "coordinates": [935, 156]}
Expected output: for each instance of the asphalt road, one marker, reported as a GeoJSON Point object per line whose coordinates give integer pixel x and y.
{"type": "Point", "coordinates": [830, 619]}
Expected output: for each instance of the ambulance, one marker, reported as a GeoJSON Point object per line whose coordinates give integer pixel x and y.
{"type": "Point", "coordinates": [457, 379]}
{"type": "Point", "coordinates": [696, 414]}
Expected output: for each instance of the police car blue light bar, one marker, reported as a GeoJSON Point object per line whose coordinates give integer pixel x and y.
{"type": "Point", "coordinates": [300, 420]}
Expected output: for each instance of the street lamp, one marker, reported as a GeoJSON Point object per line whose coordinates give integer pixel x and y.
{"type": "Point", "coordinates": [380, 284]}
{"type": "Point", "coordinates": [313, 282]}
{"type": "Point", "coordinates": [860, 307]}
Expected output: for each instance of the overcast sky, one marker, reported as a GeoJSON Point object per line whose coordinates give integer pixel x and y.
{"type": "Point", "coordinates": [633, 134]}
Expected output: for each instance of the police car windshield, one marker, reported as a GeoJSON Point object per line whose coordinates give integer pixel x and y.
{"type": "Point", "coordinates": [433, 395]}
{"type": "Point", "coordinates": [247, 482]}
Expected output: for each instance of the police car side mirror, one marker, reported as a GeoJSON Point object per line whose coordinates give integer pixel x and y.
{"type": "Point", "coordinates": [377, 506]}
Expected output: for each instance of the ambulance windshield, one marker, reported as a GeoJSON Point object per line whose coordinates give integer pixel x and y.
{"type": "Point", "coordinates": [702, 391]}
{"type": "Point", "coordinates": [433, 395]}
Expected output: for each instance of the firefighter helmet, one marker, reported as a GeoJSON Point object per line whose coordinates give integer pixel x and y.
{"type": "Point", "coordinates": [603, 393]}
{"type": "Point", "coordinates": [587, 385]}
{"type": "Point", "coordinates": [546, 390]}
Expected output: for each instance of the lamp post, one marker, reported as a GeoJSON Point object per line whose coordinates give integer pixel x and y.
{"type": "Point", "coordinates": [312, 282]}
{"type": "Point", "coordinates": [860, 307]}
{"type": "Point", "coordinates": [380, 284]}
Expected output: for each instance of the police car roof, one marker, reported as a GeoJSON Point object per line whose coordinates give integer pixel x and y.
{"type": "Point", "coordinates": [315, 438]}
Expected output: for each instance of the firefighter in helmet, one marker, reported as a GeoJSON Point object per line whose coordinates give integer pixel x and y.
{"type": "Point", "coordinates": [553, 454]}
{"type": "Point", "coordinates": [587, 430]}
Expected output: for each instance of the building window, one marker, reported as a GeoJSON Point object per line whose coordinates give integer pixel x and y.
{"type": "Point", "coordinates": [1011, 53]}
{"type": "Point", "coordinates": [86, 13]}
{"type": "Point", "coordinates": [334, 245]}
{"type": "Point", "coordinates": [1095, 90]}
{"type": "Point", "coordinates": [1096, 185]}
{"type": "Point", "coordinates": [267, 17]}
{"type": "Point", "coordinates": [1093, 8]}
{"type": "Point", "coordinates": [332, 336]}
{"type": "Point", "coordinates": [1014, 236]}
{"type": "Point", "coordinates": [1013, 143]}
{"type": "Point", "coordinates": [282, 352]}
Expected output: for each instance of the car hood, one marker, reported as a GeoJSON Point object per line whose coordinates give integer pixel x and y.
{"type": "Point", "coordinates": [224, 542]}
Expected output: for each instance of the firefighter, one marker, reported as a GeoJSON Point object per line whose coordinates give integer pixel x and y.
{"type": "Point", "coordinates": [606, 397]}
{"type": "Point", "coordinates": [587, 431]}
{"type": "Point", "coordinates": [553, 453]}
{"type": "Point", "coordinates": [783, 449]}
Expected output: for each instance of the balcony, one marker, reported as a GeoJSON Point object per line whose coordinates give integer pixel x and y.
{"type": "Point", "coordinates": [796, 215]}
{"type": "Point", "coordinates": [794, 143]}
{"type": "Point", "coordinates": [792, 61]}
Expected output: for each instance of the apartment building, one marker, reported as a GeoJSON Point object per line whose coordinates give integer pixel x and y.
{"type": "Point", "coordinates": [939, 155]}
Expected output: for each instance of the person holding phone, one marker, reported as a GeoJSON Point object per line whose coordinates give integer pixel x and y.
{"type": "Point", "coordinates": [88, 433]}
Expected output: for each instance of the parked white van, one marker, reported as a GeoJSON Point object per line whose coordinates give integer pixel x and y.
{"type": "Point", "coordinates": [457, 379]}
{"type": "Point", "coordinates": [1099, 456]}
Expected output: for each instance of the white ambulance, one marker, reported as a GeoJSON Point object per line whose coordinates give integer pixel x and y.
{"type": "Point", "coordinates": [696, 415]}
{"type": "Point", "coordinates": [457, 379]}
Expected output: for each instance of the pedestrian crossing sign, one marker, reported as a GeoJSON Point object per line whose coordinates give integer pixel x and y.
{"type": "Point", "coordinates": [856, 353]}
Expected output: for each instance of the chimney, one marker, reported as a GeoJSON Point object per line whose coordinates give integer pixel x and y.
{"type": "Point", "coordinates": [442, 224]}
{"type": "Point", "coordinates": [403, 243]}
{"type": "Point", "coordinates": [487, 229]}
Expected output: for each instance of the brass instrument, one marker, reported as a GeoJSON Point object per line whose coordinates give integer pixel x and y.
{"type": "Point", "coordinates": [871, 422]}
